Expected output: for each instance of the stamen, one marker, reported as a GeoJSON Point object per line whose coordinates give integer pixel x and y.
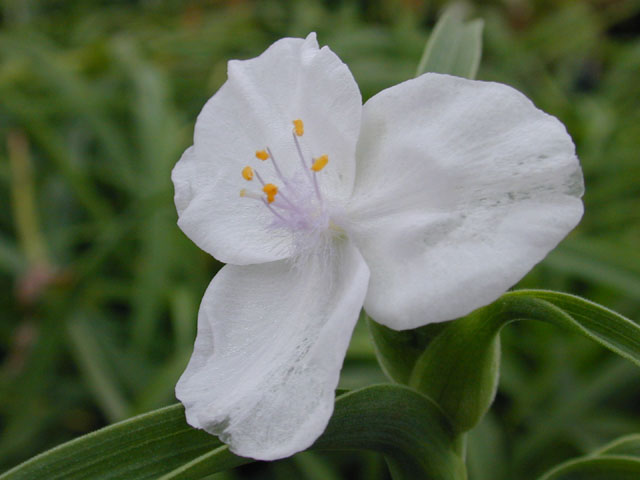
{"type": "Point", "coordinates": [312, 178]}
{"type": "Point", "coordinates": [275, 166]}
{"type": "Point", "coordinates": [247, 173]}
{"type": "Point", "coordinates": [294, 208]}
{"type": "Point", "coordinates": [262, 154]}
{"type": "Point", "coordinates": [248, 194]}
{"type": "Point", "coordinates": [304, 163]}
{"type": "Point", "coordinates": [319, 163]}
{"type": "Point", "coordinates": [269, 185]}
{"type": "Point", "coordinates": [259, 177]}
{"type": "Point", "coordinates": [266, 204]}
{"type": "Point", "coordinates": [271, 190]}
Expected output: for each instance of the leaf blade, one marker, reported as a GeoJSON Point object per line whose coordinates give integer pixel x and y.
{"type": "Point", "coordinates": [459, 369]}
{"type": "Point", "coordinates": [628, 445]}
{"type": "Point", "coordinates": [108, 453]}
{"type": "Point", "coordinates": [403, 424]}
{"type": "Point", "coordinates": [609, 467]}
{"type": "Point", "coordinates": [385, 418]}
{"type": "Point", "coordinates": [454, 47]}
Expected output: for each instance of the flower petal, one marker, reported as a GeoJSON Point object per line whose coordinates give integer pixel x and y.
{"type": "Point", "coordinates": [253, 110]}
{"type": "Point", "coordinates": [270, 345]}
{"type": "Point", "coordinates": [462, 186]}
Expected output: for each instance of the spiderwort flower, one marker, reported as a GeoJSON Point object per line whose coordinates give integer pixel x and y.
{"type": "Point", "coordinates": [422, 205]}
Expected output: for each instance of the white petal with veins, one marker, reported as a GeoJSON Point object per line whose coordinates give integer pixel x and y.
{"type": "Point", "coordinates": [462, 186]}
{"type": "Point", "coordinates": [270, 345]}
{"type": "Point", "coordinates": [253, 110]}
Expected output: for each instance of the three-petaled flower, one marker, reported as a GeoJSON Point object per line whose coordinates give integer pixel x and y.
{"type": "Point", "coordinates": [422, 205]}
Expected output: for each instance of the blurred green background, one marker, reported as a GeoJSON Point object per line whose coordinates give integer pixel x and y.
{"type": "Point", "coordinates": [101, 289]}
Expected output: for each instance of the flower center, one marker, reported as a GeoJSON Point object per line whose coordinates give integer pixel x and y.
{"type": "Point", "coordinates": [296, 202]}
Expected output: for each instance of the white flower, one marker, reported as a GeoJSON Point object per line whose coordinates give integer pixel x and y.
{"type": "Point", "coordinates": [438, 195]}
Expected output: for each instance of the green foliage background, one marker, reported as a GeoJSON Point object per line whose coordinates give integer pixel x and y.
{"type": "Point", "coordinates": [101, 289]}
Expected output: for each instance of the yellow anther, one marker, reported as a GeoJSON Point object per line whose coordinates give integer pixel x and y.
{"type": "Point", "coordinates": [243, 192]}
{"type": "Point", "coordinates": [262, 154]}
{"type": "Point", "coordinates": [247, 173]}
{"type": "Point", "coordinates": [270, 189]}
{"type": "Point", "coordinates": [298, 127]}
{"type": "Point", "coordinates": [319, 163]}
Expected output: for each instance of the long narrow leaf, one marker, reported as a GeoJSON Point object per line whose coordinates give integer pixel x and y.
{"type": "Point", "coordinates": [143, 447]}
{"type": "Point", "coordinates": [629, 445]}
{"type": "Point", "coordinates": [455, 46]}
{"type": "Point", "coordinates": [610, 467]}
{"type": "Point", "coordinates": [96, 370]}
{"type": "Point", "coordinates": [459, 368]}
{"type": "Point", "coordinates": [404, 425]}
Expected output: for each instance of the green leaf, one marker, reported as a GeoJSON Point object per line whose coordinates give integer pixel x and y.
{"type": "Point", "coordinates": [459, 368]}
{"type": "Point", "coordinates": [314, 467]}
{"type": "Point", "coordinates": [455, 46]}
{"type": "Point", "coordinates": [405, 425]}
{"type": "Point", "coordinates": [610, 329]}
{"type": "Point", "coordinates": [216, 460]}
{"type": "Point", "coordinates": [628, 445]}
{"type": "Point", "coordinates": [56, 72]}
{"type": "Point", "coordinates": [600, 261]}
{"type": "Point", "coordinates": [142, 447]}
{"type": "Point", "coordinates": [618, 460]}
{"type": "Point", "coordinates": [12, 260]}
{"type": "Point", "coordinates": [96, 369]}
{"type": "Point", "coordinates": [610, 467]}
{"type": "Point", "coordinates": [398, 351]}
